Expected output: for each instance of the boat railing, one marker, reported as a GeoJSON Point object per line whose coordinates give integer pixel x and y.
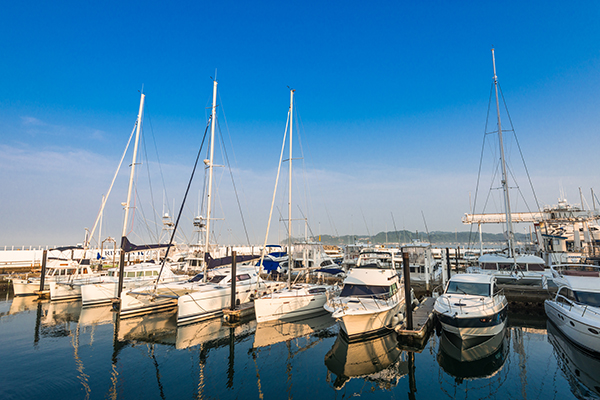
{"type": "Point", "coordinates": [380, 300]}
{"type": "Point", "coordinates": [571, 304]}
{"type": "Point", "coordinates": [497, 298]}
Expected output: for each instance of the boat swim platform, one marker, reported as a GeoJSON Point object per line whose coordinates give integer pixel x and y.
{"type": "Point", "coordinates": [423, 322]}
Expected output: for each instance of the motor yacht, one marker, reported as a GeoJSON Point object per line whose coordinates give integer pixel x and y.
{"type": "Point", "coordinates": [471, 307]}
{"type": "Point", "coordinates": [575, 309]}
{"type": "Point", "coordinates": [372, 295]}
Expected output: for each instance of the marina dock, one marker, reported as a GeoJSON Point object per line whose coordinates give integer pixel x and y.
{"type": "Point", "coordinates": [423, 322]}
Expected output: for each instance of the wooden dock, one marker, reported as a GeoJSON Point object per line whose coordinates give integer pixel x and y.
{"type": "Point", "coordinates": [240, 312]}
{"type": "Point", "coordinates": [423, 321]}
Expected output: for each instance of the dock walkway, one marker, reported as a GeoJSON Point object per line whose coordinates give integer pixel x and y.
{"type": "Point", "coordinates": [423, 320]}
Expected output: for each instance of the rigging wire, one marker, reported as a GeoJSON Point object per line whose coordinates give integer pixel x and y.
{"type": "Point", "coordinates": [487, 117]}
{"type": "Point", "coordinates": [233, 182]}
{"type": "Point", "coordinates": [182, 206]}
{"type": "Point", "coordinates": [519, 147]}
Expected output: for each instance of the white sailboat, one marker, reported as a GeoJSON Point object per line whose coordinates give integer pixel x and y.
{"type": "Point", "coordinates": [295, 299]}
{"type": "Point", "coordinates": [509, 267]}
{"type": "Point", "coordinates": [197, 300]}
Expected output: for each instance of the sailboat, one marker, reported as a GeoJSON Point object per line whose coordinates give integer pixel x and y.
{"type": "Point", "coordinates": [197, 298]}
{"type": "Point", "coordinates": [296, 299]}
{"type": "Point", "coordinates": [509, 267]}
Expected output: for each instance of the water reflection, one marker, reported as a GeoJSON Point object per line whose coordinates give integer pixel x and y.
{"type": "Point", "coordinates": [377, 360]}
{"type": "Point", "coordinates": [581, 368]}
{"type": "Point", "coordinates": [473, 358]}
{"type": "Point", "coordinates": [272, 332]}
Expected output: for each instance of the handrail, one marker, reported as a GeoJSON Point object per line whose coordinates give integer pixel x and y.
{"type": "Point", "coordinates": [572, 304]}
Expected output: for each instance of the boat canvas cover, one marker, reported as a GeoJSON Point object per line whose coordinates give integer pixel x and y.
{"type": "Point", "coordinates": [128, 247]}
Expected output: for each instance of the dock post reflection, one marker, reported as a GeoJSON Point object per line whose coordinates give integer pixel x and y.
{"type": "Point", "coordinates": [412, 382]}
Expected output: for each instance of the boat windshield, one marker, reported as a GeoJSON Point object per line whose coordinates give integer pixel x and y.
{"type": "Point", "coordinates": [350, 290]}
{"type": "Point", "coordinates": [589, 298]}
{"type": "Point", "coordinates": [471, 288]}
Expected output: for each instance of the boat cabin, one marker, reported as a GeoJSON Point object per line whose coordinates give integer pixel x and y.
{"type": "Point", "coordinates": [498, 262]}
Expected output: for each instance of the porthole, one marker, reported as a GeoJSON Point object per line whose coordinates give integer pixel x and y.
{"type": "Point", "coordinates": [572, 324]}
{"type": "Point", "coordinates": [595, 332]}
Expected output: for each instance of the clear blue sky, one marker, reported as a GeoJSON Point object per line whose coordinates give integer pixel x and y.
{"type": "Point", "coordinates": [392, 96]}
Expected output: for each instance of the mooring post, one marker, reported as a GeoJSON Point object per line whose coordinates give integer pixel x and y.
{"type": "Point", "coordinates": [448, 265]}
{"type": "Point", "coordinates": [117, 302]}
{"type": "Point", "coordinates": [233, 279]}
{"type": "Point", "coordinates": [43, 277]}
{"type": "Point", "coordinates": [407, 296]}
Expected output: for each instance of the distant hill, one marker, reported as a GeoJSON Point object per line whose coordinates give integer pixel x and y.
{"type": "Point", "coordinates": [435, 238]}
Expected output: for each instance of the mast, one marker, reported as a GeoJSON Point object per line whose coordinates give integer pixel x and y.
{"type": "Point", "coordinates": [290, 258]}
{"type": "Point", "coordinates": [127, 204]}
{"type": "Point", "coordinates": [509, 227]}
{"type": "Point", "coordinates": [209, 163]}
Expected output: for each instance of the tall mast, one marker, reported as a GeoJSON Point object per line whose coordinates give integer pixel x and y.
{"type": "Point", "coordinates": [209, 162]}
{"type": "Point", "coordinates": [127, 204]}
{"type": "Point", "coordinates": [135, 149]}
{"type": "Point", "coordinates": [290, 258]}
{"type": "Point", "coordinates": [509, 227]}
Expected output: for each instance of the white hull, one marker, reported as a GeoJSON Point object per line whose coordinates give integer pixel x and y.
{"type": "Point", "coordinates": [466, 333]}
{"type": "Point", "coordinates": [64, 291]}
{"type": "Point", "coordinates": [365, 323]}
{"type": "Point", "coordinates": [134, 304]}
{"type": "Point", "coordinates": [289, 303]}
{"type": "Point", "coordinates": [579, 323]}
{"type": "Point", "coordinates": [104, 292]}
{"type": "Point", "coordinates": [208, 300]}
{"type": "Point", "coordinates": [69, 290]}
{"type": "Point", "coordinates": [24, 287]}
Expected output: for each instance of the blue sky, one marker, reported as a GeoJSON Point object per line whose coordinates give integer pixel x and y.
{"type": "Point", "coordinates": [392, 97]}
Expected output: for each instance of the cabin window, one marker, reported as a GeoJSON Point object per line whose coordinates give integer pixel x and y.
{"type": "Point", "coordinates": [350, 290]}
{"type": "Point", "coordinates": [326, 263]}
{"type": "Point", "coordinates": [148, 273]}
{"type": "Point", "coordinates": [535, 267]}
{"type": "Point", "coordinates": [317, 290]}
{"type": "Point", "coordinates": [130, 275]}
{"type": "Point", "coordinates": [140, 273]}
{"type": "Point", "coordinates": [470, 288]}
{"type": "Point", "coordinates": [243, 277]}
{"type": "Point", "coordinates": [217, 278]}
{"type": "Point", "coordinates": [489, 266]}
{"type": "Point", "coordinates": [70, 271]}
{"type": "Point", "coordinates": [588, 298]}
{"type": "Point", "coordinates": [505, 266]}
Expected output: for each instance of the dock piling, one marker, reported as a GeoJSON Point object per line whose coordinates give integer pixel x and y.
{"type": "Point", "coordinates": [407, 296]}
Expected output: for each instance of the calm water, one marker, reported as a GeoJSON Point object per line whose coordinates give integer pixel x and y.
{"type": "Point", "coordinates": [59, 350]}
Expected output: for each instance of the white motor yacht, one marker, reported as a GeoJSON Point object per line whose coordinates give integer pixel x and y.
{"type": "Point", "coordinates": [135, 275]}
{"type": "Point", "coordinates": [575, 310]}
{"type": "Point", "coordinates": [57, 271]}
{"type": "Point", "coordinates": [372, 295]}
{"type": "Point", "coordinates": [471, 307]}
